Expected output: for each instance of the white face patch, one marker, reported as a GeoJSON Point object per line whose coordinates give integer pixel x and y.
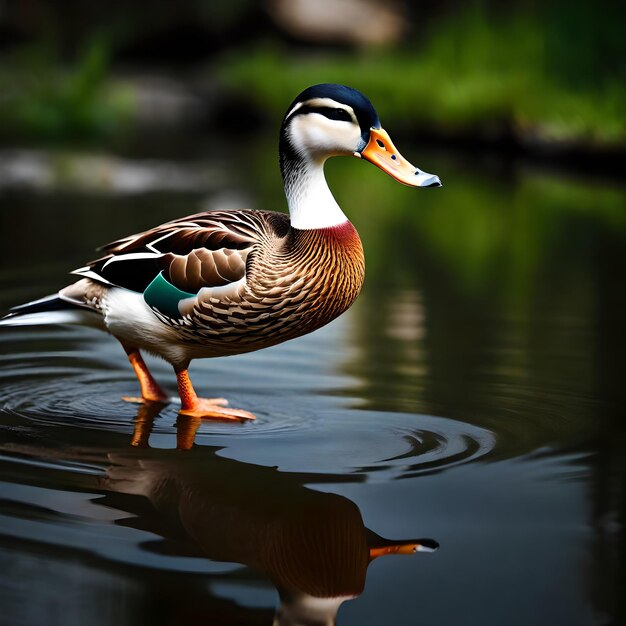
{"type": "Point", "coordinates": [320, 137]}
{"type": "Point", "coordinates": [317, 135]}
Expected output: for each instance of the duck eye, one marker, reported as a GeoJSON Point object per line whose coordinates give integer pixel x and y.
{"type": "Point", "coordinates": [337, 114]}
{"type": "Point", "coordinates": [340, 115]}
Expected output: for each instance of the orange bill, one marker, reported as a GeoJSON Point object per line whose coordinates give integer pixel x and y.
{"type": "Point", "coordinates": [383, 154]}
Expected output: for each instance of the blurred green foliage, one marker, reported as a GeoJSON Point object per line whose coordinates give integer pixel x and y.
{"type": "Point", "coordinates": [47, 101]}
{"type": "Point", "coordinates": [528, 71]}
{"type": "Point", "coordinates": [474, 71]}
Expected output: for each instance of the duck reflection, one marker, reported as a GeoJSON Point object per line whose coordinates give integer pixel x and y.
{"type": "Point", "coordinates": [313, 546]}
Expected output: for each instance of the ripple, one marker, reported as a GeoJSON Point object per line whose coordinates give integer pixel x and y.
{"type": "Point", "coordinates": [297, 430]}
{"type": "Point", "coordinates": [55, 395]}
{"type": "Point", "coordinates": [368, 446]}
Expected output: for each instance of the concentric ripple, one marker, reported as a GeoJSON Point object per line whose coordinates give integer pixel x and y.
{"type": "Point", "coordinates": [65, 386]}
{"type": "Point", "coordinates": [367, 445]}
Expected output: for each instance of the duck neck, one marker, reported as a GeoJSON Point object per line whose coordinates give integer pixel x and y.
{"type": "Point", "coordinates": [311, 203]}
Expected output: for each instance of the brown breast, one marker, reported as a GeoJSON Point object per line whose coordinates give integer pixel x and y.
{"type": "Point", "coordinates": [294, 284]}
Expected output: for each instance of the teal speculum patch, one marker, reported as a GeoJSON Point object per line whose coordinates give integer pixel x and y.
{"type": "Point", "coordinates": [161, 295]}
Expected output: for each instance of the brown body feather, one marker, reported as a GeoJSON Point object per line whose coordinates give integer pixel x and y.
{"type": "Point", "coordinates": [253, 280]}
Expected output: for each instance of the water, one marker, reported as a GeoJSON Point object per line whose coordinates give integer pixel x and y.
{"type": "Point", "coordinates": [472, 398]}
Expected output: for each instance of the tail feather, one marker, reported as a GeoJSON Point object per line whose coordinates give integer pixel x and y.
{"type": "Point", "coordinates": [50, 310]}
{"type": "Point", "coordinates": [49, 303]}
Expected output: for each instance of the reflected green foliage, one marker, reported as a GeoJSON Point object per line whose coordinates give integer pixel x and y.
{"type": "Point", "coordinates": [473, 72]}
{"type": "Point", "coordinates": [480, 221]}
{"type": "Point", "coordinates": [485, 234]}
{"type": "Point", "coordinates": [42, 100]}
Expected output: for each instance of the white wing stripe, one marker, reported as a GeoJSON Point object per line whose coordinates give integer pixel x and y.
{"type": "Point", "coordinates": [132, 256]}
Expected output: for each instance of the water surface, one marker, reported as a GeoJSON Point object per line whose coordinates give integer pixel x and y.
{"type": "Point", "coordinates": [473, 398]}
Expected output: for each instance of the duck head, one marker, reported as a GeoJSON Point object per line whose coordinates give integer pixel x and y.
{"type": "Point", "coordinates": [331, 120]}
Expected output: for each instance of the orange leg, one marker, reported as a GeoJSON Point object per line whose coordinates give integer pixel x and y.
{"type": "Point", "coordinates": [150, 389]}
{"type": "Point", "coordinates": [205, 407]}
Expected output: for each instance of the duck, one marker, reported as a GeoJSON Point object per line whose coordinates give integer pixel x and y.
{"type": "Point", "coordinates": [226, 282]}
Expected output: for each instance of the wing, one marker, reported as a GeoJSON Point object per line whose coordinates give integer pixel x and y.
{"type": "Point", "coordinates": [176, 260]}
